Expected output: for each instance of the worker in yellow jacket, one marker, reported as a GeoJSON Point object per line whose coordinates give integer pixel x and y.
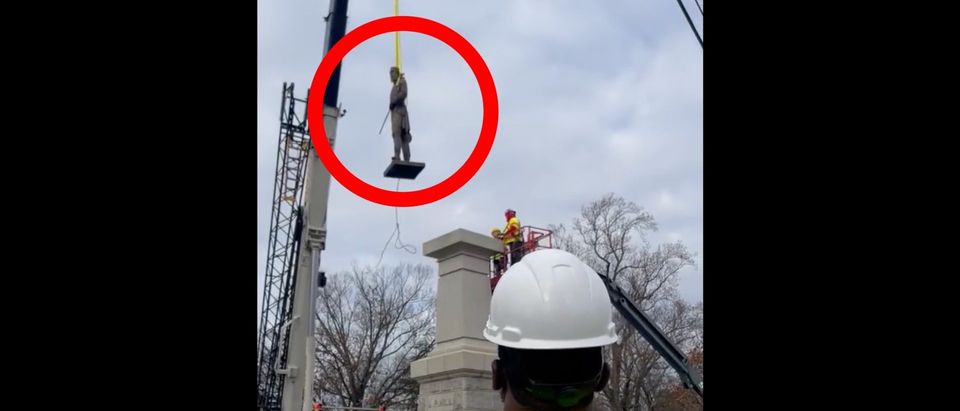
{"type": "Point", "coordinates": [512, 237]}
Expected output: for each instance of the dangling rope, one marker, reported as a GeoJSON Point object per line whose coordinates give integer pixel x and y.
{"type": "Point", "coordinates": [398, 244]}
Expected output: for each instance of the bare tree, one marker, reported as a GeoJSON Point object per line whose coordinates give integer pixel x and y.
{"type": "Point", "coordinates": [648, 378]}
{"type": "Point", "coordinates": [676, 397]}
{"type": "Point", "coordinates": [610, 235]}
{"type": "Point", "coordinates": [371, 324]}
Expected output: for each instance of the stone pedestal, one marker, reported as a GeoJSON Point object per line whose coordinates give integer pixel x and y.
{"type": "Point", "coordinates": [456, 374]}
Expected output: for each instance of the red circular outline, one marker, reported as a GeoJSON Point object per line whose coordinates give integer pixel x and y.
{"type": "Point", "coordinates": [488, 128]}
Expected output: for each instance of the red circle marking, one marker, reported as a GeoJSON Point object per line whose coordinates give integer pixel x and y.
{"type": "Point", "coordinates": [488, 128]}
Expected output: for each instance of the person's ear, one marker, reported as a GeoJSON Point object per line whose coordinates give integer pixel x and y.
{"type": "Point", "coordinates": [497, 374]}
{"type": "Point", "coordinates": [604, 376]}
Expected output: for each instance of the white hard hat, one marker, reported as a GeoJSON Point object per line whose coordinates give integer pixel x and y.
{"type": "Point", "coordinates": [550, 300]}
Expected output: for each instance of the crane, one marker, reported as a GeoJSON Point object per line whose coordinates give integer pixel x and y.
{"type": "Point", "coordinates": [286, 345]}
{"type": "Point", "coordinates": [650, 332]}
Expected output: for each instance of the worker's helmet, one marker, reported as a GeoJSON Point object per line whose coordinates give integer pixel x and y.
{"type": "Point", "coordinates": [494, 231]}
{"type": "Point", "coordinates": [509, 213]}
{"type": "Point", "coordinates": [550, 300]}
{"type": "Point", "coordinates": [550, 315]}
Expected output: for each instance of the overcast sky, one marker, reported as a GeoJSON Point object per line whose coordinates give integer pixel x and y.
{"type": "Point", "coordinates": [595, 97]}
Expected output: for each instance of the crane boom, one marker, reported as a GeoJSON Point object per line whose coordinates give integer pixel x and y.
{"type": "Point", "coordinates": [298, 386]}
{"type": "Point", "coordinates": [650, 332]}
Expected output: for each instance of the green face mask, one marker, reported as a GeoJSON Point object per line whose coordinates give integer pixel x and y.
{"type": "Point", "coordinates": [563, 395]}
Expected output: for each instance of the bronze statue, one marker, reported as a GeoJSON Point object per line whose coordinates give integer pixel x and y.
{"type": "Point", "coordinates": [399, 119]}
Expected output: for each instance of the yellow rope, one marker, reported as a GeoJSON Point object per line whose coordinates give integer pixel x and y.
{"type": "Point", "coordinates": [396, 36]}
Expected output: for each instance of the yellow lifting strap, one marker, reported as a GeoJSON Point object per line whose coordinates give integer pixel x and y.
{"type": "Point", "coordinates": [396, 36]}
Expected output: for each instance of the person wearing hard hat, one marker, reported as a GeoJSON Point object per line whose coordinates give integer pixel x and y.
{"type": "Point", "coordinates": [511, 236]}
{"type": "Point", "coordinates": [550, 319]}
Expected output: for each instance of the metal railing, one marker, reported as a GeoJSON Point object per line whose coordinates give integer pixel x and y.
{"type": "Point", "coordinates": [532, 239]}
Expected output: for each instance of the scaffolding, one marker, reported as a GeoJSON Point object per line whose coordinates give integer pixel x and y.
{"type": "Point", "coordinates": [286, 224]}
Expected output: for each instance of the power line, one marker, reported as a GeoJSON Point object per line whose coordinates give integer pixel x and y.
{"type": "Point", "coordinates": [687, 15]}
{"type": "Point", "coordinates": [699, 6]}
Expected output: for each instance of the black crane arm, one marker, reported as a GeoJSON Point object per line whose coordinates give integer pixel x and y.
{"type": "Point", "coordinates": [654, 336]}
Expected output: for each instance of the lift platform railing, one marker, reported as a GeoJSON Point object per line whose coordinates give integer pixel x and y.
{"type": "Point", "coordinates": [533, 239]}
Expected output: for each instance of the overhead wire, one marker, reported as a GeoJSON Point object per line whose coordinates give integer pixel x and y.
{"type": "Point", "coordinates": [692, 27]}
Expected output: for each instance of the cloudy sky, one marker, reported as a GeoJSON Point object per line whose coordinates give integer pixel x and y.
{"type": "Point", "coordinates": [595, 97]}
